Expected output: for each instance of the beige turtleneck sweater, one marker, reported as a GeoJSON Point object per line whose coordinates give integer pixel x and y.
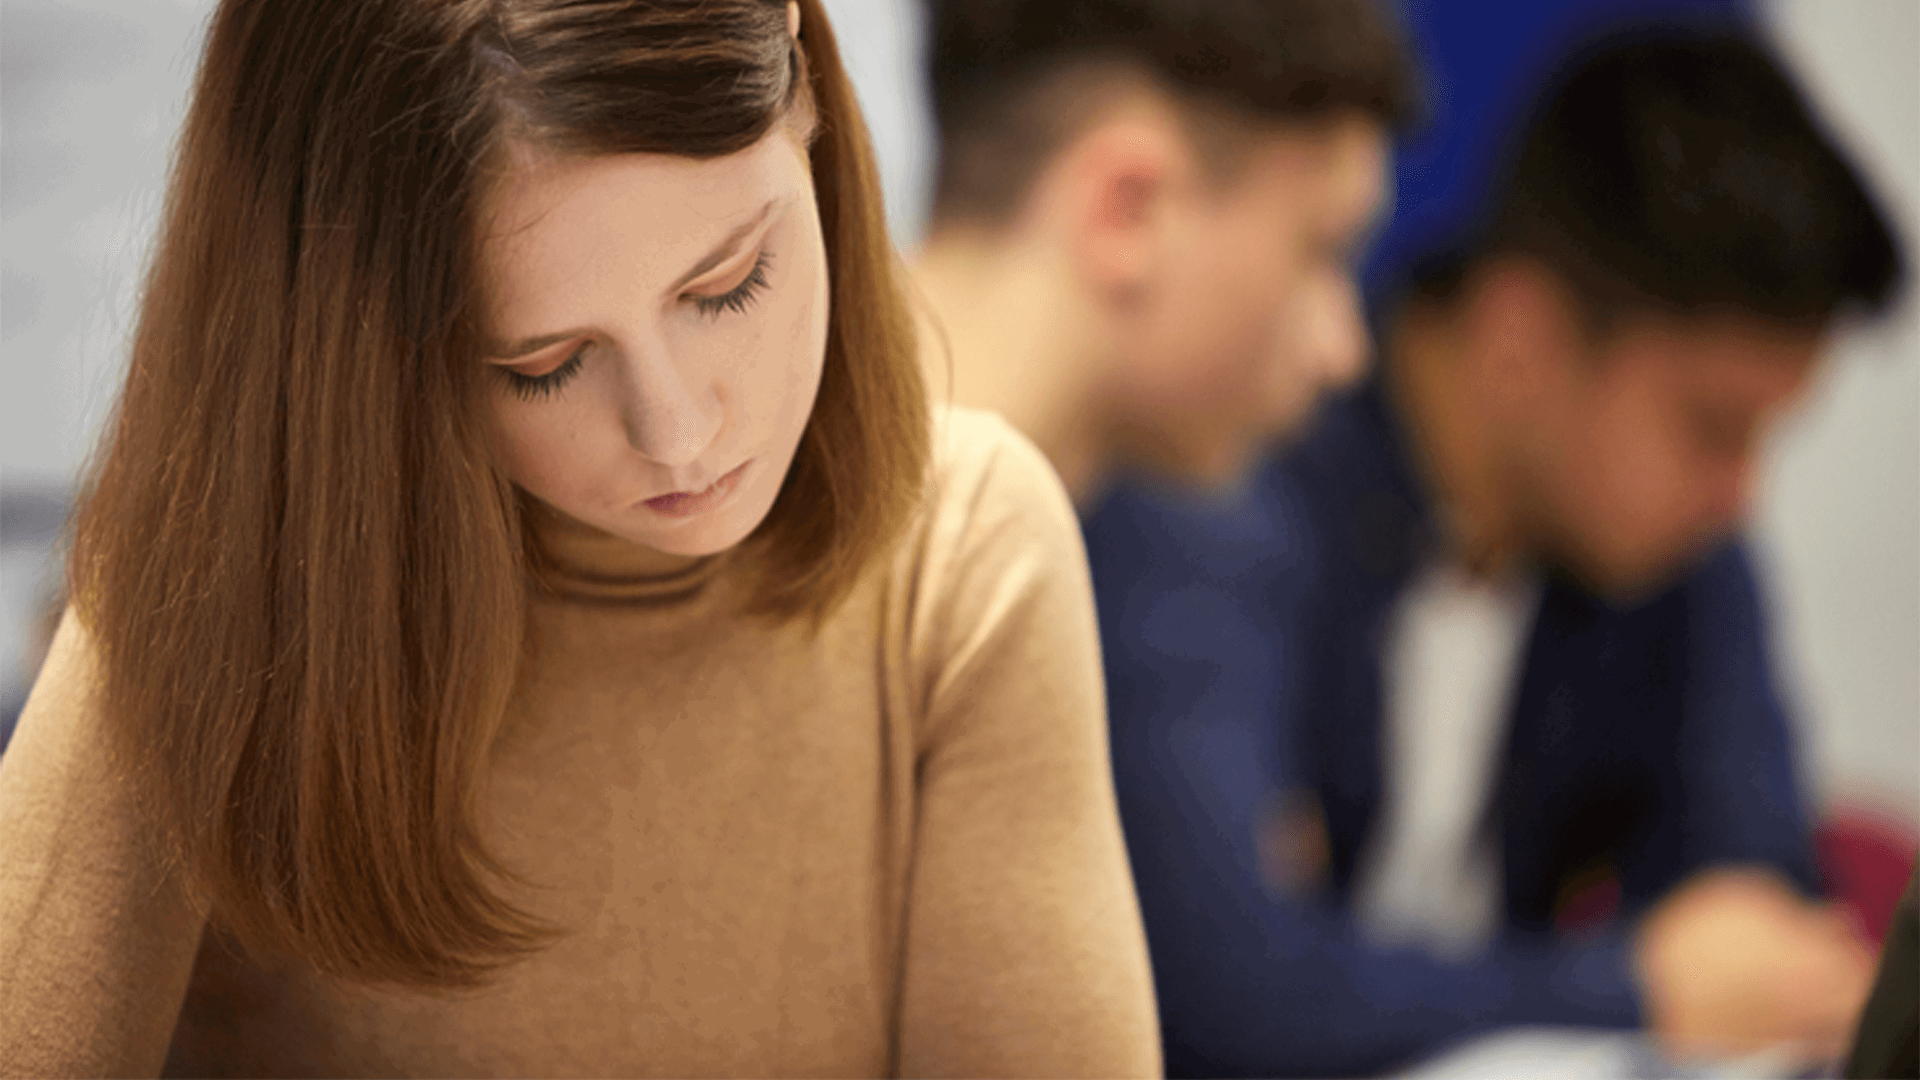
{"type": "Point", "coordinates": [888, 848]}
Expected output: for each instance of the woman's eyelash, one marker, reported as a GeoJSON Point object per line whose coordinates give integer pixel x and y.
{"type": "Point", "coordinates": [741, 296]}
{"type": "Point", "coordinates": [529, 387]}
{"type": "Point", "coordinates": [737, 300]}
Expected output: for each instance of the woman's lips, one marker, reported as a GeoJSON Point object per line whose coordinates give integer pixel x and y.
{"type": "Point", "coordinates": [682, 504]}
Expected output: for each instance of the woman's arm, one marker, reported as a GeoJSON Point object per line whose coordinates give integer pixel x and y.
{"type": "Point", "coordinates": [1025, 955]}
{"type": "Point", "coordinates": [96, 939]}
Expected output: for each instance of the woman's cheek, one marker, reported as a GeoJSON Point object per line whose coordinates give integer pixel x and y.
{"type": "Point", "coordinates": [532, 448]}
{"type": "Point", "coordinates": [786, 354]}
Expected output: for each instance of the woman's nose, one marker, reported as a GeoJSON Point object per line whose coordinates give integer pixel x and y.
{"type": "Point", "coordinates": [672, 416]}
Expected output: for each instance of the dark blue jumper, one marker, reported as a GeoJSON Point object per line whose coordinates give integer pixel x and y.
{"type": "Point", "coordinates": [1243, 656]}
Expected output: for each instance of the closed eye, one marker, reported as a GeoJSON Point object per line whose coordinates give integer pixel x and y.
{"type": "Point", "coordinates": [741, 297]}
{"type": "Point", "coordinates": [529, 387]}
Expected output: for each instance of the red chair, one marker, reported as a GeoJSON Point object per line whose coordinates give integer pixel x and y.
{"type": "Point", "coordinates": [1865, 852]}
{"type": "Point", "coordinates": [1866, 855]}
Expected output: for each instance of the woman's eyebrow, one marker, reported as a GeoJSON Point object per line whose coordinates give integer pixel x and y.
{"type": "Point", "coordinates": [527, 346]}
{"type": "Point", "coordinates": [725, 249]}
{"type": "Point", "coordinates": [721, 253]}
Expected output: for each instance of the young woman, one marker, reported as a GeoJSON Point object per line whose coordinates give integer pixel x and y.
{"type": "Point", "coordinates": [527, 618]}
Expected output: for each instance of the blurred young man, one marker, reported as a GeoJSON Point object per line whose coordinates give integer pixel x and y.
{"type": "Point", "coordinates": [1486, 640]}
{"type": "Point", "coordinates": [1145, 218]}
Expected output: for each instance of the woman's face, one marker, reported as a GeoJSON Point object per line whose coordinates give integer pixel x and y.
{"type": "Point", "coordinates": [657, 330]}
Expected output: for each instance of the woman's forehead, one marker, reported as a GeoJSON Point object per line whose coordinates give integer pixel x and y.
{"type": "Point", "coordinates": [657, 214]}
{"type": "Point", "coordinates": [675, 199]}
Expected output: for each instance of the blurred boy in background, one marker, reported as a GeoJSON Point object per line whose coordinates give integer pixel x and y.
{"type": "Point", "coordinates": [1486, 639]}
{"type": "Point", "coordinates": [1146, 216]}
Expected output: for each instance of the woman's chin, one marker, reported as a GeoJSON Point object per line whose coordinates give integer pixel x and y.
{"type": "Point", "coordinates": [702, 534]}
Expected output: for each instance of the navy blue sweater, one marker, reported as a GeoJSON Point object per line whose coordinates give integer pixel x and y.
{"type": "Point", "coordinates": [1243, 651]}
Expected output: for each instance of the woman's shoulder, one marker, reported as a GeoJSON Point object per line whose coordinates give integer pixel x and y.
{"type": "Point", "coordinates": [996, 532]}
{"type": "Point", "coordinates": [986, 472]}
{"type": "Point", "coordinates": [84, 880]}
{"type": "Point", "coordinates": [991, 587]}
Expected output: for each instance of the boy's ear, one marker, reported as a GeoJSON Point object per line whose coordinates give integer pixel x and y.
{"type": "Point", "coordinates": [1123, 175]}
{"type": "Point", "coordinates": [1524, 326]}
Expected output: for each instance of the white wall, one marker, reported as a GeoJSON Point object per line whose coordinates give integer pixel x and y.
{"type": "Point", "coordinates": [880, 43]}
{"type": "Point", "coordinates": [90, 91]}
{"type": "Point", "coordinates": [1842, 514]}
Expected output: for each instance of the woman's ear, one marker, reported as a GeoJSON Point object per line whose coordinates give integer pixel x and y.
{"type": "Point", "coordinates": [793, 19]}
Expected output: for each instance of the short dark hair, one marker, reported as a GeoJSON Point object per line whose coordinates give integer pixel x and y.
{"type": "Point", "coordinates": [997, 69]}
{"type": "Point", "coordinates": [1682, 172]}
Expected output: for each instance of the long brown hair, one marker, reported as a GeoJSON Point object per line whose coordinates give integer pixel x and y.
{"type": "Point", "coordinates": [305, 577]}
